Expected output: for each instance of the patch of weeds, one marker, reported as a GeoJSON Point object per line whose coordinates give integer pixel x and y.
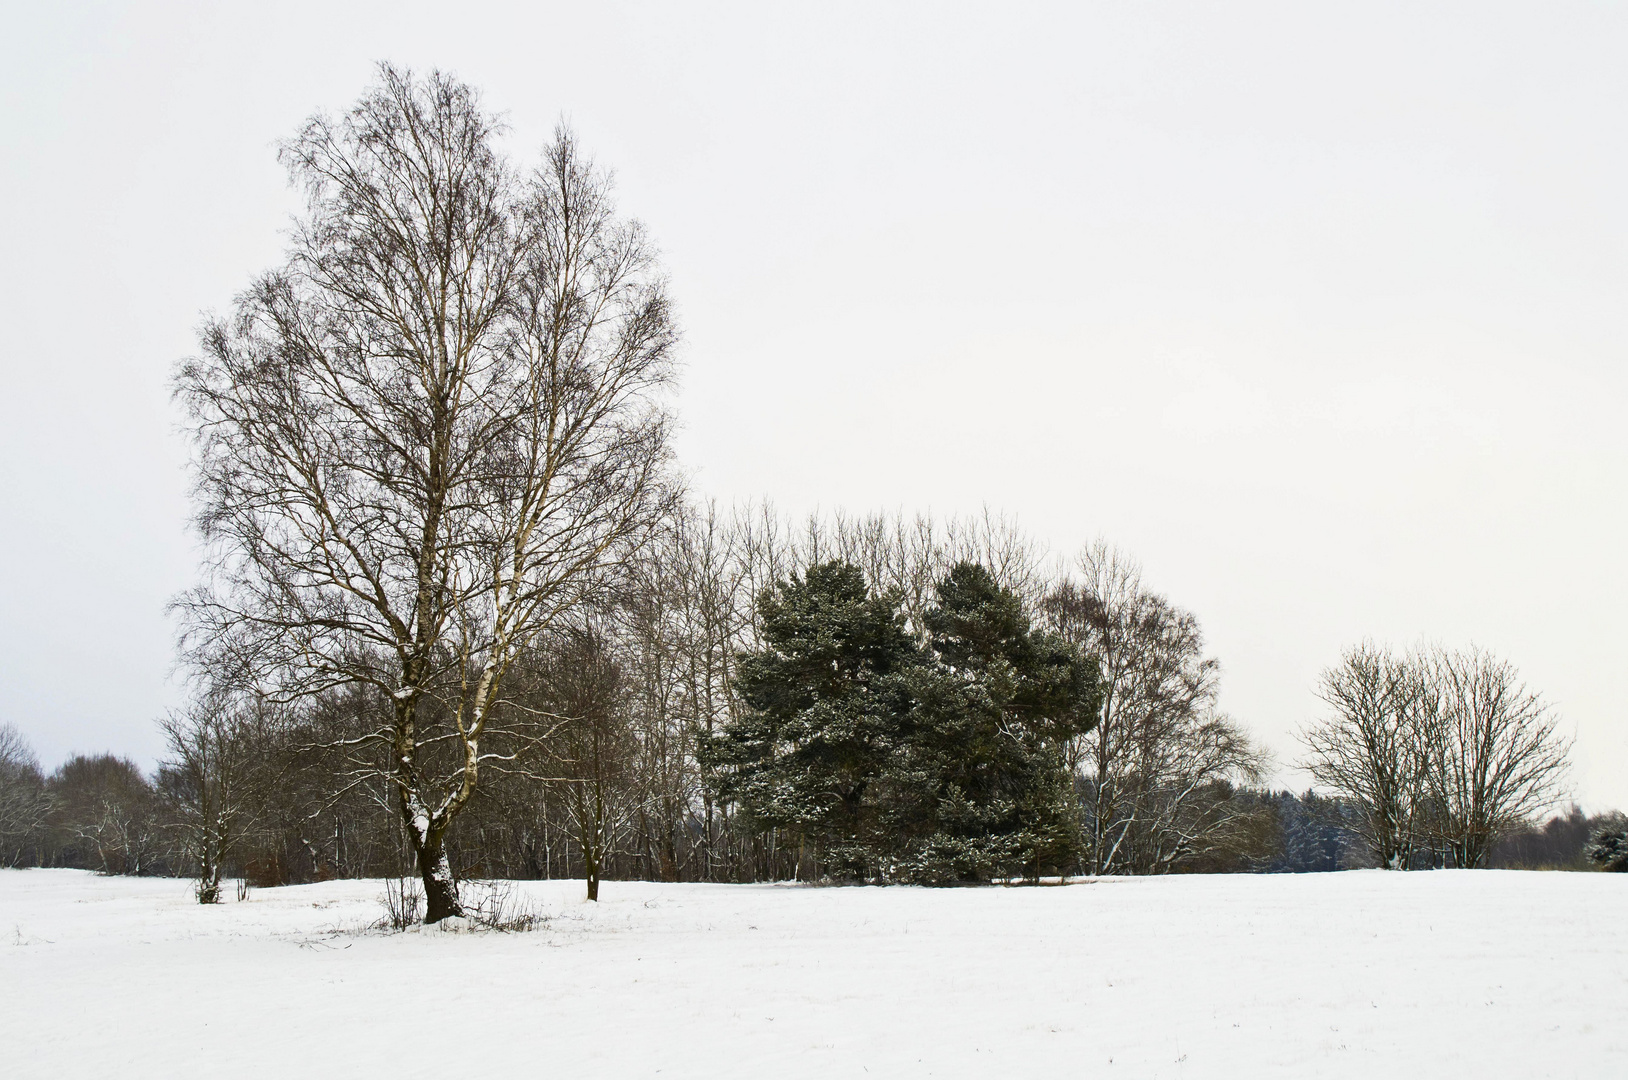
{"type": "Point", "coordinates": [501, 906]}
{"type": "Point", "coordinates": [403, 903]}
{"type": "Point", "coordinates": [487, 905]}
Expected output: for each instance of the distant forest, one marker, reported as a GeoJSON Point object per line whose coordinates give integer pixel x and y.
{"type": "Point", "coordinates": [103, 813]}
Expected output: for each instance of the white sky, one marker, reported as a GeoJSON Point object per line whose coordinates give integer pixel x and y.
{"type": "Point", "coordinates": [1319, 313]}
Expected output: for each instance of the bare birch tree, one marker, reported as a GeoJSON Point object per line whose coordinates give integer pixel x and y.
{"type": "Point", "coordinates": [1152, 772]}
{"type": "Point", "coordinates": [427, 435]}
{"type": "Point", "coordinates": [712, 615]}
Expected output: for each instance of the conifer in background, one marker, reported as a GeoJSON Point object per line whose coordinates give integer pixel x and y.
{"type": "Point", "coordinates": [981, 789]}
{"type": "Point", "coordinates": [825, 698]}
{"type": "Point", "coordinates": [1608, 847]}
{"type": "Point", "coordinates": [936, 758]}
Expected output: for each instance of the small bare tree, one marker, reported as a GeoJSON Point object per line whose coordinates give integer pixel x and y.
{"type": "Point", "coordinates": [427, 436]}
{"type": "Point", "coordinates": [1372, 747]}
{"type": "Point", "coordinates": [1495, 755]}
{"type": "Point", "coordinates": [594, 746]}
{"type": "Point", "coordinates": [1446, 752]}
{"type": "Point", "coordinates": [213, 779]}
{"type": "Point", "coordinates": [24, 804]}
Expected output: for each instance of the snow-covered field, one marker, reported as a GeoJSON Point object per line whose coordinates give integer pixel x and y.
{"type": "Point", "coordinates": [1366, 974]}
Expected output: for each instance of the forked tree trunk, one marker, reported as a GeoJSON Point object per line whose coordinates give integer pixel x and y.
{"type": "Point", "coordinates": [209, 880]}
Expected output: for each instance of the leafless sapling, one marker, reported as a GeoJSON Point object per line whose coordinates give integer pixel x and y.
{"type": "Point", "coordinates": [1494, 753]}
{"type": "Point", "coordinates": [212, 778]}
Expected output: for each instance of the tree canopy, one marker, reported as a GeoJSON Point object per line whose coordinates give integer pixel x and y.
{"type": "Point", "coordinates": [935, 756]}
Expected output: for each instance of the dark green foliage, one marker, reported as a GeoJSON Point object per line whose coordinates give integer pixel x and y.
{"type": "Point", "coordinates": [1608, 848]}
{"type": "Point", "coordinates": [981, 788]}
{"type": "Point", "coordinates": [1315, 834]}
{"type": "Point", "coordinates": [932, 761]}
{"type": "Point", "coordinates": [825, 699]}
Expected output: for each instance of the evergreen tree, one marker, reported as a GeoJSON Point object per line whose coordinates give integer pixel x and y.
{"type": "Point", "coordinates": [980, 788]}
{"type": "Point", "coordinates": [1313, 833]}
{"type": "Point", "coordinates": [825, 698]}
{"type": "Point", "coordinates": [1608, 847]}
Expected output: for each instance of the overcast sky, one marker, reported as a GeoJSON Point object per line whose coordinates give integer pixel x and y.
{"type": "Point", "coordinates": [1320, 313]}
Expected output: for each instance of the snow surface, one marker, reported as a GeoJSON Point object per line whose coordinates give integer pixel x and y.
{"type": "Point", "coordinates": [1364, 974]}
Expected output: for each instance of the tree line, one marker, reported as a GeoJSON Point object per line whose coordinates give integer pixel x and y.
{"type": "Point", "coordinates": [650, 732]}
{"type": "Point", "coordinates": [1000, 718]}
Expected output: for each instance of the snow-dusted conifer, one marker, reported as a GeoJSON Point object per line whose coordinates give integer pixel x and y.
{"type": "Point", "coordinates": [1608, 847]}
{"type": "Point", "coordinates": [826, 697]}
{"type": "Point", "coordinates": [981, 788]}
